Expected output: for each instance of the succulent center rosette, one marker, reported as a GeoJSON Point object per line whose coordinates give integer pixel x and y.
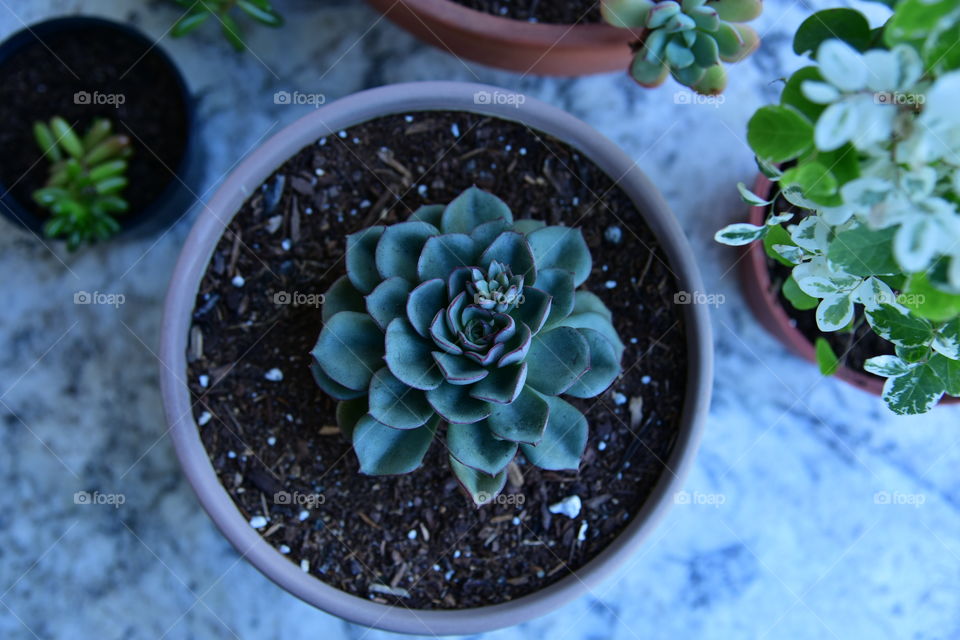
{"type": "Point", "coordinates": [465, 316]}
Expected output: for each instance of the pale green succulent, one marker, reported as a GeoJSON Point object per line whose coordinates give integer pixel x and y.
{"type": "Point", "coordinates": [463, 315]}
{"type": "Point", "coordinates": [687, 39]}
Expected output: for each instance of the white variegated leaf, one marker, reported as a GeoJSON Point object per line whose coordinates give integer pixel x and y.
{"type": "Point", "coordinates": [773, 221]}
{"type": "Point", "coordinates": [836, 216]}
{"type": "Point", "coordinates": [909, 66]}
{"type": "Point", "coordinates": [819, 92]}
{"type": "Point", "coordinates": [915, 244]}
{"type": "Point", "coordinates": [842, 65]}
{"type": "Point", "coordinates": [835, 312]}
{"type": "Point", "coordinates": [739, 234]}
{"type": "Point", "coordinates": [882, 70]}
{"type": "Point", "coordinates": [811, 234]}
{"type": "Point", "coordinates": [789, 252]}
{"type": "Point", "coordinates": [874, 292]}
{"type": "Point", "coordinates": [750, 197]}
{"type": "Point", "coordinates": [886, 366]}
{"type": "Point", "coordinates": [835, 127]}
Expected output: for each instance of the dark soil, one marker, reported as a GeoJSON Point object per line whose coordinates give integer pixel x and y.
{"type": "Point", "coordinates": [419, 532]}
{"type": "Point", "coordinates": [41, 80]}
{"type": "Point", "coordinates": [852, 348]}
{"type": "Point", "coordinates": [548, 11]}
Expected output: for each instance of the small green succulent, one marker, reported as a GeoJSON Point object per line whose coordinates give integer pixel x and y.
{"type": "Point", "coordinates": [86, 180]}
{"type": "Point", "coordinates": [463, 315]}
{"type": "Point", "coordinates": [686, 39]}
{"type": "Point", "coordinates": [199, 11]}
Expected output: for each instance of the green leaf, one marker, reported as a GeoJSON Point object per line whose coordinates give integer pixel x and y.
{"type": "Point", "coordinates": [927, 301]}
{"type": "Point", "coordinates": [395, 404]}
{"type": "Point", "coordinates": [597, 322]}
{"type": "Point", "coordinates": [511, 248]}
{"type": "Point", "coordinates": [942, 54]}
{"type": "Point", "coordinates": [835, 311]}
{"type": "Point", "coordinates": [429, 213]}
{"type": "Point", "coordinates": [900, 327]}
{"type": "Point", "coordinates": [188, 23]}
{"type": "Point", "coordinates": [792, 94]}
{"type": "Point", "coordinates": [912, 354]}
{"type": "Point", "coordinates": [826, 359]}
{"type": "Point", "coordinates": [886, 366]}
{"type": "Point", "coordinates": [360, 258]}
{"type": "Point", "coordinates": [798, 298]}
{"type": "Point", "coordinates": [948, 370]}
{"type": "Point", "coordinates": [750, 197]}
{"type": "Point", "coordinates": [585, 301]}
{"type": "Point", "coordinates": [557, 359]}
{"type": "Point", "coordinates": [454, 404]}
{"type": "Point", "coordinates": [534, 309]}
{"type": "Point", "coordinates": [481, 487]}
{"type": "Point", "coordinates": [947, 341]}
{"type": "Point", "coordinates": [502, 386]}
{"type": "Point", "coordinates": [914, 392]}
{"type": "Point", "coordinates": [604, 366]}
{"type": "Point", "coordinates": [388, 301]}
{"type": "Point", "coordinates": [864, 251]}
{"type": "Point", "coordinates": [399, 245]}
{"type": "Point", "coordinates": [476, 447]}
{"type": "Point", "coordinates": [648, 73]}
{"type": "Point", "coordinates": [423, 304]}
{"type": "Point", "coordinates": [561, 248]}
{"type": "Point", "coordinates": [264, 14]}
{"type": "Point", "coordinates": [472, 208]}
{"type": "Point", "coordinates": [350, 349]}
{"type": "Point", "coordinates": [410, 357]}
{"type": "Point", "coordinates": [444, 253]}
{"type": "Point", "coordinates": [779, 134]}
{"type": "Point", "coordinates": [626, 13]}
{"type": "Point", "coordinates": [564, 438]}
{"type": "Point", "coordinates": [815, 182]}
{"type": "Point", "coordinates": [847, 24]}
{"type": "Point", "coordinates": [523, 420]}
{"type": "Point", "coordinates": [47, 141]}
{"type": "Point", "coordinates": [737, 10]}
{"type": "Point", "coordinates": [66, 138]}
{"type": "Point", "coordinates": [349, 413]}
{"type": "Point", "coordinates": [916, 19]}
{"type": "Point", "coordinates": [777, 235]}
{"type": "Point", "coordinates": [384, 451]}
{"type": "Point", "coordinates": [740, 234]}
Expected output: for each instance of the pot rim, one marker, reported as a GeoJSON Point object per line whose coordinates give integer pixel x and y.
{"type": "Point", "coordinates": [206, 233]}
{"type": "Point", "coordinates": [462, 18]}
{"type": "Point", "coordinates": [12, 208]}
{"type": "Point", "coordinates": [755, 278]}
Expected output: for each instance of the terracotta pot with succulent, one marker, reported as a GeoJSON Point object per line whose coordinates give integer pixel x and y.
{"type": "Point", "coordinates": [857, 210]}
{"type": "Point", "coordinates": [687, 39]}
{"type": "Point", "coordinates": [90, 108]}
{"type": "Point", "coordinates": [430, 376]}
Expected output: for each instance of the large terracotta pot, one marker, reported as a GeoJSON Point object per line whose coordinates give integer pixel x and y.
{"type": "Point", "coordinates": [515, 45]}
{"type": "Point", "coordinates": [203, 239]}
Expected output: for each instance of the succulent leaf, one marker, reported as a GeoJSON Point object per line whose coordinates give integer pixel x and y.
{"type": "Point", "coordinates": [384, 451]}
{"type": "Point", "coordinates": [333, 388]}
{"type": "Point", "coordinates": [410, 358]}
{"type": "Point", "coordinates": [476, 447]}
{"type": "Point", "coordinates": [395, 404]}
{"type": "Point", "coordinates": [562, 248]}
{"type": "Point", "coordinates": [398, 243]}
{"type": "Point", "coordinates": [350, 349]}
{"type": "Point", "coordinates": [454, 403]}
{"type": "Point", "coordinates": [626, 13]}
{"type": "Point", "coordinates": [388, 301]}
{"type": "Point", "coordinates": [472, 208]}
{"type": "Point", "coordinates": [564, 438]}
{"type": "Point", "coordinates": [737, 10]}
{"type": "Point", "coordinates": [604, 366]}
{"type": "Point", "coordinates": [432, 214]}
{"type": "Point", "coordinates": [557, 359]}
{"type": "Point", "coordinates": [341, 296]}
{"type": "Point", "coordinates": [481, 487]}
{"type": "Point", "coordinates": [502, 386]}
{"type": "Point", "coordinates": [522, 420]}
{"type": "Point", "coordinates": [424, 303]}
{"type": "Point", "coordinates": [349, 413]}
{"type": "Point", "coordinates": [444, 253]}
{"type": "Point", "coordinates": [361, 260]}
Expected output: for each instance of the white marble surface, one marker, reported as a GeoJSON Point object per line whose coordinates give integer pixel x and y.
{"type": "Point", "coordinates": [799, 547]}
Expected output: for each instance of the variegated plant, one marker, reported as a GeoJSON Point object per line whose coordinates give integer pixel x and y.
{"type": "Point", "coordinates": [872, 135]}
{"type": "Point", "coordinates": [688, 39]}
{"type": "Point", "coordinates": [464, 316]}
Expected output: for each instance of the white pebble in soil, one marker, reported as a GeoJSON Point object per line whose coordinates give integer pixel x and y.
{"type": "Point", "coordinates": [601, 446]}
{"type": "Point", "coordinates": [613, 234]}
{"type": "Point", "coordinates": [274, 375]}
{"type": "Point", "coordinates": [408, 118]}
{"type": "Point", "coordinates": [284, 549]}
{"type": "Point", "coordinates": [305, 566]}
{"type": "Point", "coordinates": [271, 441]}
{"type": "Point", "coordinates": [204, 381]}
{"type": "Point", "coordinates": [238, 281]}
{"type": "Point", "coordinates": [412, 534]}
{"type": "Point", "coordinates": [303, 515]}
{"type": "Point", "coordinates": [610, 284]}
{"type": "Point", "coordinates": [204, 418]}
{"type": "Point", "coordinates": [569, 506]}
{"type": "Point", "coordinates": [286, 244]}
{"type": "Point", "coordinates": [619, 398]}
{"type": "Point", "coordinates": [455, 130]}
{"type": "Point", "coordinates": [231, 454]}
{"type": "Point", "coordinates": [258, 522]}
{"type": "Point", "coordinates": [645, 379]}
{"type": "Point", "coordinates": [582, 533]}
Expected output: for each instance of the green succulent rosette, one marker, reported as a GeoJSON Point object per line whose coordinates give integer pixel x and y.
{"type": "Point", "coordinates": [463, 315]}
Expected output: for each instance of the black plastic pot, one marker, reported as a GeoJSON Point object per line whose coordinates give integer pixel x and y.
{"type": "Point", "coordinates": [186, 174]}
